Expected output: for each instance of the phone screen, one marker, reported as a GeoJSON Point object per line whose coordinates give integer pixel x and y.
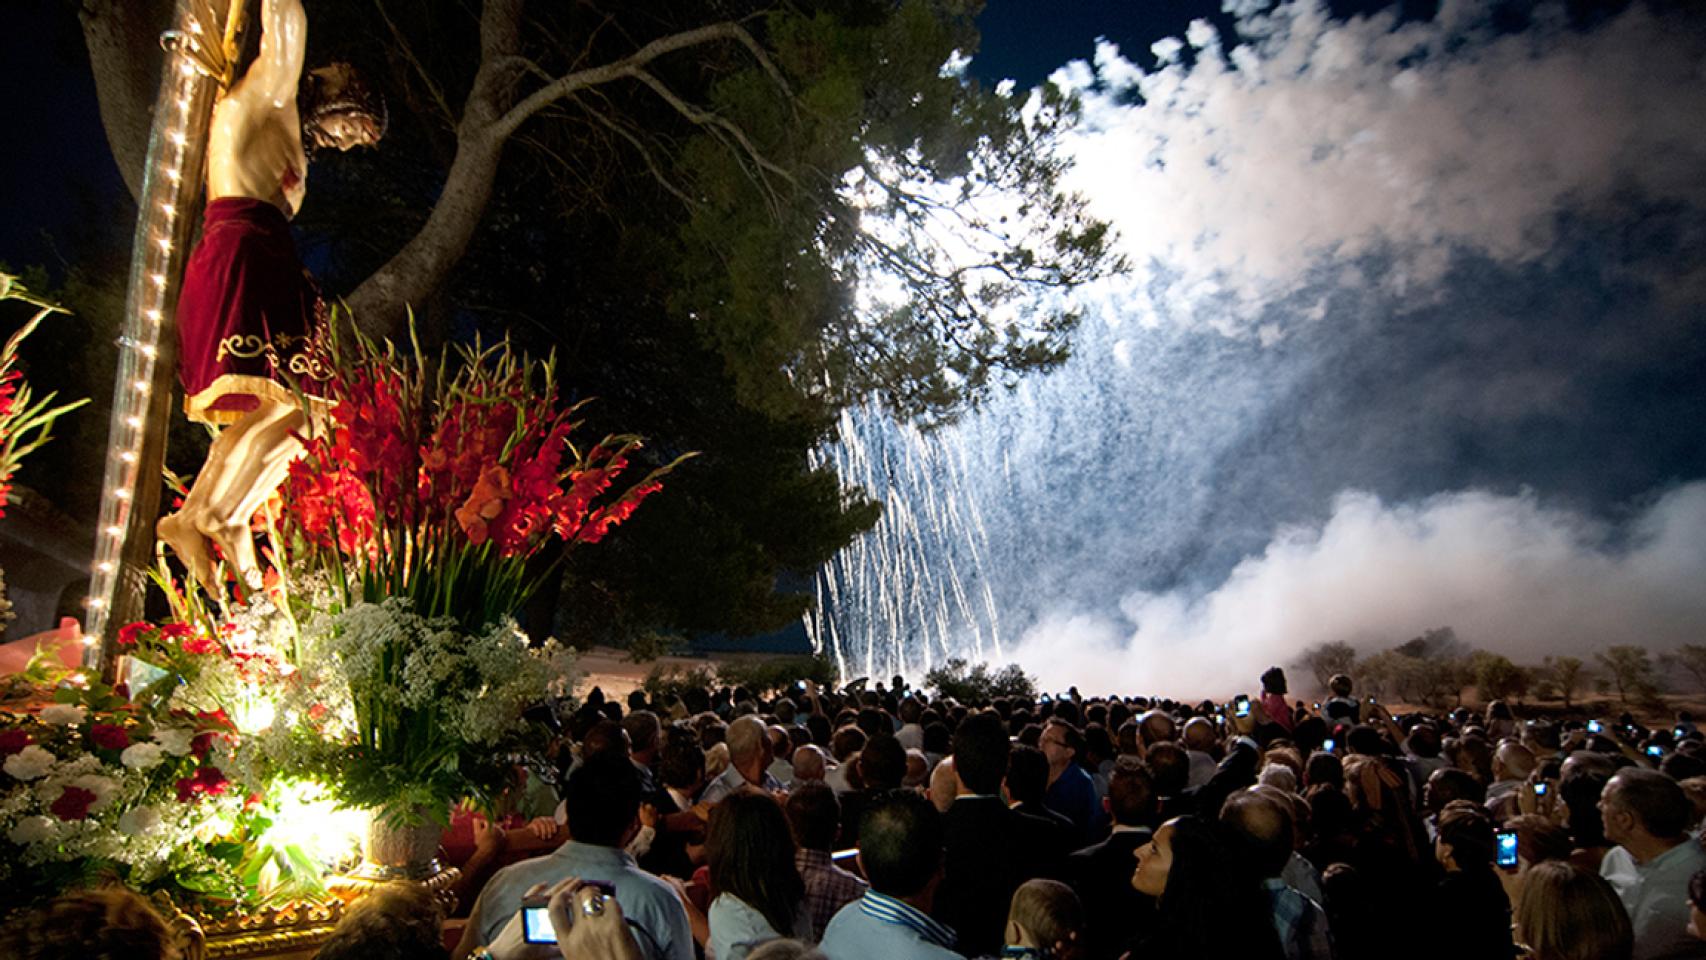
{"type": "Point", "coordinates": [1540, 789]}
{"type": "Point", "coordinates": [1329, 746]}
{"type": "Point", "coordinates": [536, 925]}
{"type": "Point", "coordinates": [1243, 708]}
{"type": "Point", "coordinates": [1655, 751]}
{"type": "Point", "coordinates": [1507, 848]}
{"type": "Point", "coordinates": [1594, 726]}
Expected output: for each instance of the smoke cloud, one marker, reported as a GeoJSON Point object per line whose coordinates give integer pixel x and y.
{"type": "Point", "coordinates": [1504, 571]}
{"type": "Point", "coordinates": [1242, 177]}
{"type": "Point", "coordinates": [1416, 338]}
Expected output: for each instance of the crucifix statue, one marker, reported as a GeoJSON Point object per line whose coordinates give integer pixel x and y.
{"type": "Point", "coordinates": [248, 313]}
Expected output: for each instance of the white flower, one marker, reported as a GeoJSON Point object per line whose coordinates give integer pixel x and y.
{"type": "Point", "coordinates": [63, 714]}
{"type": "Point", "coordinates": [139, 820]}
{"type": "Point", "coordinates": [30, 830]}
{"type": "Point", "coordinates": [102, 787]}
{"type": "Point", "coordinates": [174, 740]}
{"type": "Point", "coordinates": [141, 756]}
{"type": "Point", "coordinates": [29, 763]}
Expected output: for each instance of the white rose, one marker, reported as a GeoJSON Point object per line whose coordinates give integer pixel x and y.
{"type": "Point", "coordinates": [30, 830]}
{"type": "Point", "coordinates": [139, 820]}
{"type": "Point", "coordinates": [174, 740]}
{"type": "Point", "coordinates": [141, 756]}
{"type": "Point", "coordinates": [63, 714]}
{"type": "Point", "coordinates": [29, 763]}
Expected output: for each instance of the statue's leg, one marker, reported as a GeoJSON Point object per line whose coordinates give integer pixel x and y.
{"type": "Point", "coordinates": [182, 530]}
{"type": "Point", "coordinates": [258, 462]}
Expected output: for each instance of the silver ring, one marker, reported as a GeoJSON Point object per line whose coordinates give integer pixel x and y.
{"type": "Point", "coordinates": [593, 906]}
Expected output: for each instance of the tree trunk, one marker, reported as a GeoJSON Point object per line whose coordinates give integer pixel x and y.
{"type": "Point", "coordinates": [122, 37]}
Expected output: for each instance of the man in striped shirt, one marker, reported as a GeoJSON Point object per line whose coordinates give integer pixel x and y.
{"type": "Point", "coordinates": [900, 852]}
{"type": "Point", "coordinates": [815, 816]}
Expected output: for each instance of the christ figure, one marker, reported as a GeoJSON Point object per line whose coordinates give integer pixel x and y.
{"type": "Point", "coordinates": [248, 313]}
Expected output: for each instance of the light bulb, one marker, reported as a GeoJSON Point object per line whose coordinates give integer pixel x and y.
{"type": "Point", "coordinates": [115, 531]}
{"type": "Point", "coordinates": [105, 566]}
{"type": "Point", "coordinates": [142, 386]}
{"type": "Point", "coordinates": [133, 421]}
{"type": "Point", "coordinates": [153, 315]}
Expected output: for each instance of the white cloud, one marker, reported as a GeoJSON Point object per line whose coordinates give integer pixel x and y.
{"type": "Point", "coordinates": [1507, 573]}
{"type": "Point", "coordinates": [1238, 176]}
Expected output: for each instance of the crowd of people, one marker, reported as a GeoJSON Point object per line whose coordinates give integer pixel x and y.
{"type": "Point", "coordinates": [883, 822]}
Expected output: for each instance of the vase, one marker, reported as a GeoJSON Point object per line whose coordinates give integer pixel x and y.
{"type": "Point", "coordinates": [395, 853]}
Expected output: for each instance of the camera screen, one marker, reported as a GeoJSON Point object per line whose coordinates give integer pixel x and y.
{"type": "Point", "coordinates": [1594, 726]}
{"type": "Point", "coordinates": [536, 925]}
{"type": "Point", "coordinates": [1507, 848]}
{"type": "Point", "coordinates": [1243, 708]}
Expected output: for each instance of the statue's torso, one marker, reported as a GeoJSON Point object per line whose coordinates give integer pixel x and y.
{"type": "Point", "coordinates": [255, 150]}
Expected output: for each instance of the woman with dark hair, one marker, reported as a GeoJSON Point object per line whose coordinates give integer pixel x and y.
{"type": "Point", "coordinates": [759, 895]}
{"type": "Point", "coordinates": [1469, 900]}
{"type": "Point", "coordinates": [1209, 898]}
{"type": "Point", "coordinates": [1580, 789]}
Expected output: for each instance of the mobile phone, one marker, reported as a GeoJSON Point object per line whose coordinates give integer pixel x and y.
{"type": "Point", "coordinates": [536, 924]}
{"type": "Point", "coordinates": [1540, 789]}
{"type": "Point", "coordinates": [1594, 726]}
{"type": "Point", "coordinates": [1330, 745]}
{"type": "Point", "coordinates": [1507, 848]}
{"type": "Point", "coordinates": [1678, 733]}
{"type": "Point", "coordinates": [1243, 708]}
{"type": "Point", "coordinates": [1655, 751]}
{"type": "Point", "coordinates": [1317, 707]}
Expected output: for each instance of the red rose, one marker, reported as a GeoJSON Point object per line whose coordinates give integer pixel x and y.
{"type": "Point", "coordinates": [13, 740]}
{"type": "Point", "coordinates": [109, 736]}
{"type": "Point", "coordinates": [73, 804]}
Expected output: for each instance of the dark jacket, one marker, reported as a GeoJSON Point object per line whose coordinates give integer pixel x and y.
{"type": "Point", "coordinates": [1114, 913]}
{"type": "Point", "coordinates": [983, 863]}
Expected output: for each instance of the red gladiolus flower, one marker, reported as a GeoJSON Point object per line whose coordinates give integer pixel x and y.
{"type": "Point", "coordinates": [13, 740]}
{"type": "Point", "coordinates": [207, 781]}
{"type": "Point", "coordinates": [130, 633]}
{"type": "Point", "coordinates": [201, 643]}
{"type": "Point", "coordinates": [73, 804]}
{"type": "Point", "coordinates": [109, 736]}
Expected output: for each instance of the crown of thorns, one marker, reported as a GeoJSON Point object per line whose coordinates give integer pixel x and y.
{"type": "Point", "coordinates": [348, 94]}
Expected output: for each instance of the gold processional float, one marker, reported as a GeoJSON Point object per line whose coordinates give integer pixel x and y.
{"type": "Point", "coordinates": [201, 53]}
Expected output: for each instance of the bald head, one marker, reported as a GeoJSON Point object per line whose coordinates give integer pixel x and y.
{"type": "Point", "coordinates": [1264, 824]}
{"type": "Point", "coordinates": [944, 786]}
{"type": "Point", "coordinates": [1199, 735]}
{"type": "Point", "coordinates": [809, 763]}
{"type": "Point", "coordinates": [1512, 761]}
{"type": "Point", "coordinates": [1156, 727]}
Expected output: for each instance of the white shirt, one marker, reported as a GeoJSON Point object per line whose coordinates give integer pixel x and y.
{"type": "Point", "coordinates": [1656, 895]}
{"type": "Point", "coordinates": [911, 736]}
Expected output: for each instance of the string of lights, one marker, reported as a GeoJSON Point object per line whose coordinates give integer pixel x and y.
{"type": "Point", "coordinates": [194, 70]}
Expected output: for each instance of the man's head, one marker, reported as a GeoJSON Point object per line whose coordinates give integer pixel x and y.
{"type": "Point", "coordinates": [1171, 768]}
{"type": "Point", "coordinates": [1264, 827]}
{"type": "Point", "coordinates": [781, 745]}
{"type": "Point", "coordinates": [882, 764]}
{"type": "Point", "coordinates": [606, 736]}
{"type": "Point", "coordinates": [1131, 799]}
{"type": "Point", "coordinates": [1060, 742]}
{"type": "Point", "coordinates": [1027, 774]}
{"type": "Point", "coordinates": [814, 814]}
{"type": "Point", "coordinates": [1273, 681]}
{"type": "Point", "coordinates": [603, 800]}
{"type": "Point", "coordinates": [749, 747]}
{"type": "Point", "coordinates": [1339, 685]}
{"type": "Point", "coordinates": [339, 109]}
{"type": "Point", "coordinates": [1199, 735]}
{"type": "Point", "coordinates": [1465, 839]}
{"type": "Point", "coordinates": [980, 753]}
{"type": "Point", "coordinates": [683, 763]}
{"type": "Point", "coordinates": [900, 844]}
{"type": "Point", "coordinates": [943, 785]}
{"type": "Point", "coordinates": [847, 741]}
{"type": "Point", "coordinates": [643, 729]}
{"type": "Point", "coordinates": [1512, 761]}
{"type": "Point", "coordinates": [809, 763]}
{"type": "Point", "coordinates": [1644, 805]}
{"type": "Point", "coordinates": [1156, 726]}
{"type": "Point", "coordinates": [1044, 914]}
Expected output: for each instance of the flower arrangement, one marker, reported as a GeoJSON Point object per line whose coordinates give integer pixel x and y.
{"type": "Point", "coordinates": [442, 482]}
{"type": "Point", "coordinates": [91, 783]}
{"type": "Point", "coordinates": [26, 421]}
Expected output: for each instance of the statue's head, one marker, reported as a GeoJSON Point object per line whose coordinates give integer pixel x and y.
{"type": "Point", "coordinates": [339, 109]}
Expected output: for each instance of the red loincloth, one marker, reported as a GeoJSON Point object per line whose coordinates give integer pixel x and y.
{"type": "Point", "coordinates": [247, 316]}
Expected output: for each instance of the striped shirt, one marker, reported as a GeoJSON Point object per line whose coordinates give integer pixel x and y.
{"type": "Point", "coordinates": [877, 925]}
{"type": "Point", "coordinates": [828, 887]}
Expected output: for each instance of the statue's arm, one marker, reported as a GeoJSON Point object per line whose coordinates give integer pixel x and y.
{"type": "Point", "coordinates": [284, 42]}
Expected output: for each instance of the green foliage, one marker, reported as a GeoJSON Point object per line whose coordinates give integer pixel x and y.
{"type": "Point", "coordinates": [767, 676]}
{"type": "Point", "coordinates": [1496, 677]}
{"type": "Point", "coordinates": [974, 684]}
{"type": "Point", "coordinates": [1629, 669]}
{"type": "Point", "coordinates": [1324, 660]}
{"type": "Point", "coordinates": [666, 682]}
{"type": "Point", "coordinates": [1567, 674]}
